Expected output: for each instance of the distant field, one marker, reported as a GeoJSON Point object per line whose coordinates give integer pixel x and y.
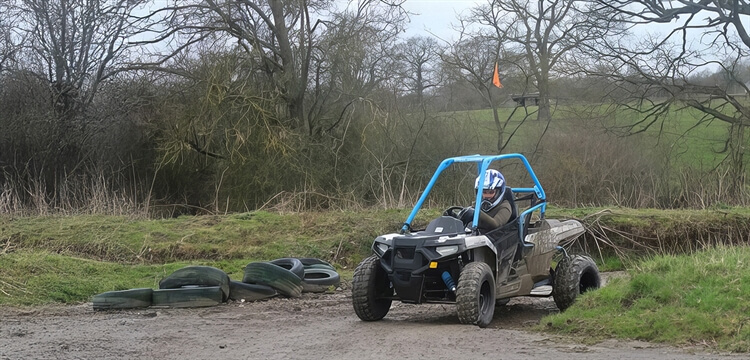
{"type": "Point", "coordinates": [679, 136]}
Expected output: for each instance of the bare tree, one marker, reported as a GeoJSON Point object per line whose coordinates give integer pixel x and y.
{"type": "Point", "coordinates": [282, 36]}
{"type": "Point", "coordinates": [417, 57]}
{"type": "Point", "coordinates": [353, 59]}
{"type": "Point", "coordinates": [716, 17]}
{"type": "Point", "coordinates": [545, 31]}
{"type": "Point", "coordinates": [77, 43]}
{"type": "Point", "coordinates": [659, 72]}
{"type": "Point", "coordinates": [474, 60]}
{"type": "Point", "coordinates": [55, 57]}
{"type": "Point", "coordinates": [9, 41]}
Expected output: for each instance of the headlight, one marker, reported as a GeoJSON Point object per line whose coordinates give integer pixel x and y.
{"type": "Point", "coordinates": [381, 248]}
{"type": "Point", "coordinates": [447, 250]}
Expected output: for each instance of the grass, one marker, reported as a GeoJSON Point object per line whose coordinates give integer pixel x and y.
{"type": "Point", "coordinates": [256, 235]}
{"type": "Point", "coordinates": [699, 298]}
{"type": "Point", "coordinates": [681, 137]}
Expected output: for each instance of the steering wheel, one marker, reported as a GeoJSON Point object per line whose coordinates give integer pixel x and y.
{"type": "Point", "coordinates": [466, 215]}
{"type": "Point", "coordinates": [451, 211]}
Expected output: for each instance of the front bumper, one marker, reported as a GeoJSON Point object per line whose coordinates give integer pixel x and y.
{"type": "Point", "coordinates": [407, 263]}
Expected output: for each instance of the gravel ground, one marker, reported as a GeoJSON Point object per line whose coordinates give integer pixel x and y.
{"type": "Point", "coordinates": [316, 326]}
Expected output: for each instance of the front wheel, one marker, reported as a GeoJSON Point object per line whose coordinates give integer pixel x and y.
{"type": "Point", "coordinates": [371, 290]}
{"type": "Point", "coordinates": [574, 275]}
{"type": "Point", "coordinates": [475, 294]}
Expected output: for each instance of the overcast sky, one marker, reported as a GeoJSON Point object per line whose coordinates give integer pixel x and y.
{"type": "Point", "coordinates": [436, 16]}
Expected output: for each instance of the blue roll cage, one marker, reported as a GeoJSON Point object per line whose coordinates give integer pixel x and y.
{"type": "Point", "coordinates": [484, 162]}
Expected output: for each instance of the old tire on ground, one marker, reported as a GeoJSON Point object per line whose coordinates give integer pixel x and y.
{"type": "Point", "coordinates": [291, 264]}
{"type": "Point", "coordinates": [249, 292]}
{"type": "Point", "coordinates": [123, 299]}
{"type": "Point", "coordinates": [313, 261]}
{"type": "Point", "coordinates": [197, 275]}
{"type": "Point", "coordinates": [320, 266]}
{"type": "Point", "coordinates": [475, 294]}
{"type": "Point", "coordinates": [265, 273]}
{"type": "Point", "coordinates": [188, 297]}
{"type": "Point", "coordinates": [371, 290]}
{"type": "Point", "coordinates": [574, 275]}
{"type": "Point", "coordinates": [319, 279]}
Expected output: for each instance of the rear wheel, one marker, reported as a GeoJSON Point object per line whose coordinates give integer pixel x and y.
{"type": "Point", "coordinates": [371, 290]}
{"type": "Point", "coordinates": [574, 275]}
{"type": "Point", "coordinates": [475, 294]}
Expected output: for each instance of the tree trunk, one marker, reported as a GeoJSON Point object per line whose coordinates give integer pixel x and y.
{"type": "Point", "coordinates": [737, 162]}
{"type": "Point", "coordinates": [543, 116]}
{"type": "Point", "coordinates": [295, 94]}
{"type": "Point", "coordinates": [498, 125]}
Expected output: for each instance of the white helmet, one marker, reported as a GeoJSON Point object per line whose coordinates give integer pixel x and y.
{"type": "Point", "coordinates": [493, 180]}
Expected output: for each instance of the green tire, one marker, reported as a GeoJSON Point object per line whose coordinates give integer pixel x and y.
{"type": "Point", "coordinates": [314, 261]}
{"type": "Point", "coordinates": [197, 275]}
{"type": "Point", "coordinates": [188, 297]}
{"type": "Point", "coordinates": [320, 266]}
{"type": "Point", "coordinates": [283, 280]}
{"type": "Point", "coordinates": [319, 279]}
{"type": "Point", "coordinates": [250, 292]}
{"type": "Point", "coordinates": [123, 299]}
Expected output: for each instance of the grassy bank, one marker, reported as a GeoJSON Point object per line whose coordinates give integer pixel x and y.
{"type": "Point", "coordinates": [699, 298]}
{"type": "Point", "coordinates": [343, 238]}
{"type": "Point", "coordinates": [336, 236]}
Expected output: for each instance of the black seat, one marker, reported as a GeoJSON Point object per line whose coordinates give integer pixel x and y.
{"type": "Point", "coordinates": [511, 200]}
{"type": "Point", "coordinates": [445, 225]}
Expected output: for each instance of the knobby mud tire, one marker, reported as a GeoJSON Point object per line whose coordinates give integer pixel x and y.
{"type": "Point", "coordinates": [265, 273]}
{"type": "Point", "coordinates": [123, 299]}
{"type": "Point", "coordinates": [574, 275]}
{"type": "Point", "coordinates": [197, 275]}
{"type": "Point", "coordinates": [475, 294]}
{"type": "Point", "coordinates": [371, 290]}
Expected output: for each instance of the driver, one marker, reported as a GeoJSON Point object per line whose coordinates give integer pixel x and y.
{"type": "Point", "coordinates": [496, 210]}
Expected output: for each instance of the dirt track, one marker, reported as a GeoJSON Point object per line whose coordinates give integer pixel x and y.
{"type": "Point", "coordinates": [313, 327]}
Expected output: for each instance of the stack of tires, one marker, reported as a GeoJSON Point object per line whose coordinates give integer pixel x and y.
{"type": "Point", "coordinates": [318, 275]}
{"type": "Point", "coordinates": [201, 286]}
{"type": "Point", "coordinates": [288, 276]}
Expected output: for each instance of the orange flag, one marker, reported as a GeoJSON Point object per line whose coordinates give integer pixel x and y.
{"type": "Point", "coordinates": [496, 78]}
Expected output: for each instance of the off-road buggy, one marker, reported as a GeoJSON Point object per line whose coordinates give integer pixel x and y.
{"type": "Point", "coordinates": [450, 261]}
